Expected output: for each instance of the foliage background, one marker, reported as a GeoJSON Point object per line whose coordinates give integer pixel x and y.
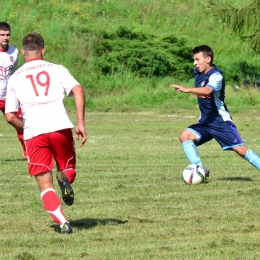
{"type": "Point", "coordinates": [127, 53]}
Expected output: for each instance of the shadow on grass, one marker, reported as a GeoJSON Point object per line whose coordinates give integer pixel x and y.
{"type": "Point", "coordinates": [236, 179]}
{"type": "Point", "coordinates": [89, 223]}
{"type": "Point", "coordinates": [13, 160]}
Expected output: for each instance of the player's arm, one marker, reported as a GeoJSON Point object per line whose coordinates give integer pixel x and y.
{"type": "Point", "coordinates": [79, 97]}
{"type": "Point", "coordinates": [204, 91]}
{"type": "Point", "coordinates": [13, 120]}
{"type": "Point", "coordinates": [11, 108]}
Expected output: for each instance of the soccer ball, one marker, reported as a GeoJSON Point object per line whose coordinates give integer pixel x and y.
{"type": "Point", "coordinates": [193, 174]}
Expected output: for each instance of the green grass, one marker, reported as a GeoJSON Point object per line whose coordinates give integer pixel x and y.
{"type": "Point", "coordinates": [130, 199]}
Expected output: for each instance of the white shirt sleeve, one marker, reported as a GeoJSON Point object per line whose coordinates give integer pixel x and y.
{"type": "Point", "coordinates": [68, 82]}
{"type": "Point", "coordinates": [215, 81]}
{"type": "Point", "coordinates": [11, 103]}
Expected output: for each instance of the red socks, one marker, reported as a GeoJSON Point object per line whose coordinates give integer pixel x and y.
{"type": "Point", "coordinates": [70, 174]}
{"type": "Point", "coordinates": [52, 205]}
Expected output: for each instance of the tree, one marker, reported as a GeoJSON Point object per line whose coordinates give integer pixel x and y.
{"type": "Point", "coordinates": [244, 22]}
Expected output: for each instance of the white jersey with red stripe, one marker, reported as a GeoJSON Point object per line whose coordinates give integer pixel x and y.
{"type": "Point", "coordinates": [39, 87]}
{"type": "Point", "coordinates": [8, 65]}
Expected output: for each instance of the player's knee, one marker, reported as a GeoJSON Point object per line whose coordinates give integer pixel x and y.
{"type": "Point", "coordinates": [187, 135]}
{"type": "Point", "coordinates": [182, 137]}
{"type": "Point", "coordinates": [70, 174]}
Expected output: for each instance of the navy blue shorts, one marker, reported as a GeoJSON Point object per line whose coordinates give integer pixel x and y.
{"type": "Point", "coordinates": [224, 133]}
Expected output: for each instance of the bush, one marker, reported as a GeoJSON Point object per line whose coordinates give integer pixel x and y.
{"type": "Point", "coordinates": [143, 54]}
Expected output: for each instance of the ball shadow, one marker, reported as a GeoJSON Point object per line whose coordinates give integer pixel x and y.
{"type": "Point", "coordinates": [236, 179]}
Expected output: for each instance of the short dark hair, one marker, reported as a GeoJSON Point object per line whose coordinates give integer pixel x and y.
{"type": "Point", "coordinates": [33, 42]}
{"type": "Point", "coordinates": [206, 51]}
{"type": "Point", "coordinates": [4, 26]}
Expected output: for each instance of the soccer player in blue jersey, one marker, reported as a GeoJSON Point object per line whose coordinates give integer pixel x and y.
{"type": "Point", "coordinates": [215, 120]}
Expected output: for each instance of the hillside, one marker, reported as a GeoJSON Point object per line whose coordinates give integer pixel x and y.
{"type": "Point", "coordinates": [126, 53]}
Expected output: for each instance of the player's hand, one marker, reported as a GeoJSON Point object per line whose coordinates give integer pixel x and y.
{"type": "Point", "coordinates": [180, 88]}
{"type": "Point", "coordinates": [81, 132]}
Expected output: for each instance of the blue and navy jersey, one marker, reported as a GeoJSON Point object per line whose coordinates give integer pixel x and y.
{"type": "Point", "coordinates": [212, 108]}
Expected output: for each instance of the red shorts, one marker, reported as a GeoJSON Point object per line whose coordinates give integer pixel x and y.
{"type": "Point", "coordinates": [42, 149]}
{"type": "Point", "coordinates": [2, 106]}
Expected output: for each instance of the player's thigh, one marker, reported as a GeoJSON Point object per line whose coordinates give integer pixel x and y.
{"type": "Point", "coordinates": [39, 154]}
{"type": "Point", "coordinates": [63, 147]}
{"type": "Point", "coordinates": [200, 132]}
{"type": "Point", "coordinates": [226, 135]}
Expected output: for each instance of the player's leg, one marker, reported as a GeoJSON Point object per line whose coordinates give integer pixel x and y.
{"type": "Point", "coordinates": [40, 165]}
{"type": "Point", "coordinates": [228, 137]}
{"type": "Point", "coordinates": [190, 138]}
{"type": "Point", "coordinates": [62, 143]}
{"type": "Point", "coordinates": [65, 187]}
{"type": "Point", "coordinates": [51, 201]}
{"type": "Point", "coordinates": [20, 135]}
{"type": "Point", "coordinates": [187, 139]}
{"type": "Point", "coordinates": [249, 155]}
{"type": "Point", "coordinates": [20, 138]}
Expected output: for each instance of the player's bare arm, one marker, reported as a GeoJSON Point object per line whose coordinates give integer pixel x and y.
{"type": "Point", "coordinates": [205, 91]}
{"type": "Point", "coordinates": [13, 120]}
{"type": "Point", "coordinates": [79, 96]}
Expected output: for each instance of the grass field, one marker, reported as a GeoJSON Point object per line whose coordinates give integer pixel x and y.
{"type": "Point", "coordinates": [130, 199]}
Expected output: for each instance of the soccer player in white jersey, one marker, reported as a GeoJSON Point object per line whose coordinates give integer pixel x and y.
{"type": "Point", "coordinates": [215, 120]}
{"type": "Point", "coordinates": [39, 88]}
{"type": "Point", "coordinates": [8, 65]}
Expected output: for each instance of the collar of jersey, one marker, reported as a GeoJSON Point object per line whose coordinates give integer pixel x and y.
{"type": "Point", "coordinates": [33, 59]}
{"type": "Point", "coordinates": [6, 49]}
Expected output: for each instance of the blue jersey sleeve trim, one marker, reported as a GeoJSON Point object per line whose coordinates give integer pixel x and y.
{"type": "Point", "coordinates": [211, 87]}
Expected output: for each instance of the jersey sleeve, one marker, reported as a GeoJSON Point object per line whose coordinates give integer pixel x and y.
{"type": "Point", "coordinates": [11, 103]}
{"type": "Point", "coordinates": [215, 81]}
{"type": "Point", "coordinates": [68, 81]}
